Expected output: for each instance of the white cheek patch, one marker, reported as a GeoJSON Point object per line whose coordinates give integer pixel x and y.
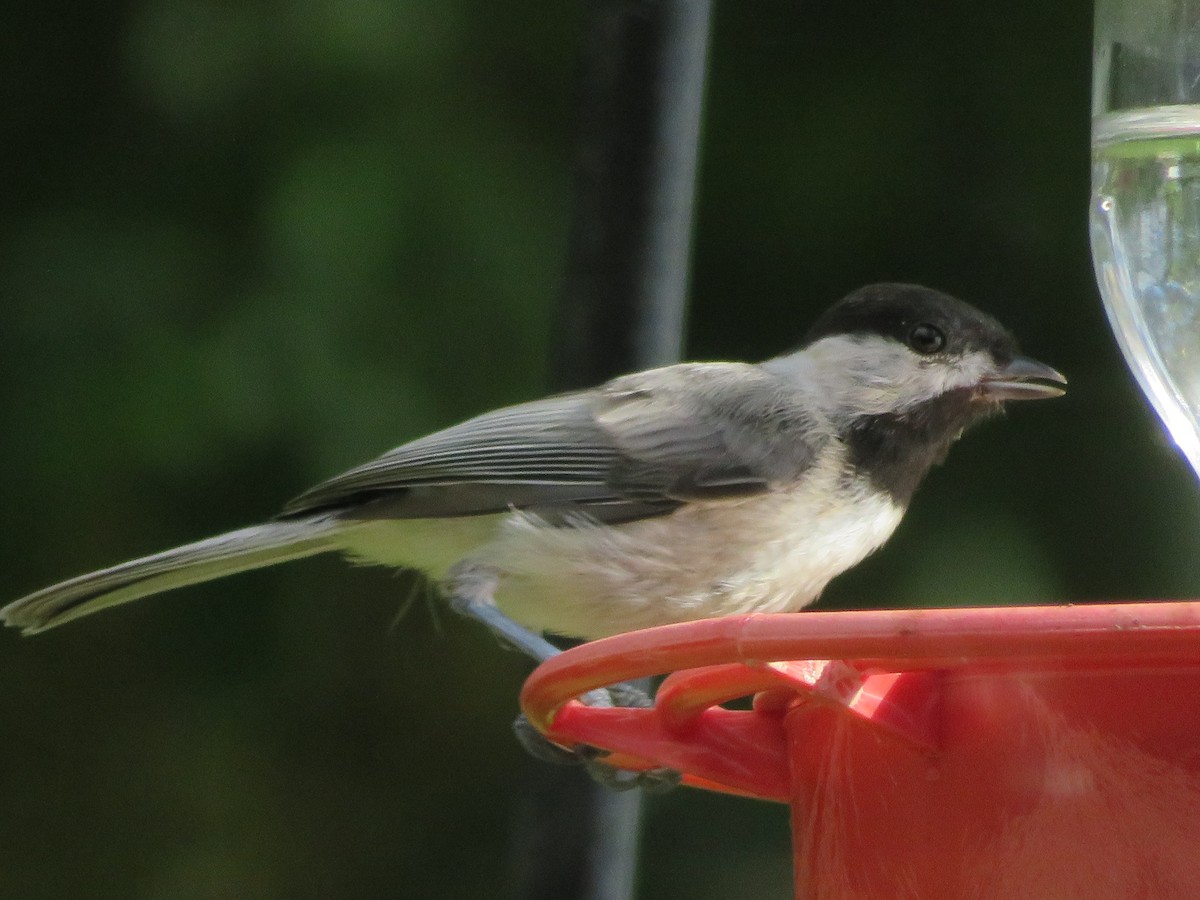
{"type": "Point", "coordinates": [871, 375]}
{"type": "Point", "coordinates": [968, 371]}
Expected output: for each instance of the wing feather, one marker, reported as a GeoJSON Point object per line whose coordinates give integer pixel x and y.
{"type": "Point", "coordinates": [641, 445]}
{"type": "Point", "coordinates": [552, 444]}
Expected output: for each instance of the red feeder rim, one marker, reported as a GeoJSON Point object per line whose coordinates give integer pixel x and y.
{"type": "Point", "coordinates": [879, 667]}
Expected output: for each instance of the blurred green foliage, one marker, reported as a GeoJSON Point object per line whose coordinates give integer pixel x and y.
{"type": "Point", "coordinates": [245, 245]}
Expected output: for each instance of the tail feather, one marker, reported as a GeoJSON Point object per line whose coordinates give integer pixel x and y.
{"type": "Point", "coordinates": [225, 554]}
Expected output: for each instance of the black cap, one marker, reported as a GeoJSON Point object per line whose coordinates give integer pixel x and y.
{"type": "Point", "coordinates": [894, 310]}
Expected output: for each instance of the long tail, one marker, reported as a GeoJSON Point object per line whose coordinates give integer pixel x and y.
{"type": "Point", "coordinates": [225, 554]}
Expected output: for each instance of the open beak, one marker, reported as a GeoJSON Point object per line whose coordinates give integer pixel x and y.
{"type": "Point", "coordinates": [1022, 379]}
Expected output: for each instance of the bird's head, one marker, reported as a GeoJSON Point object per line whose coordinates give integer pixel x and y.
{"type": "Point", "coordinates": [887, 349]}
{"type": "Point", "coordinates": [902, 370]}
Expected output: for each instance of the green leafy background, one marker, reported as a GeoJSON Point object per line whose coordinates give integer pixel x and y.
{"type": "Point", "coordinates": [246, 245]}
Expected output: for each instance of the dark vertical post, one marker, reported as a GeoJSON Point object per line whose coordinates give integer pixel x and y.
{"type": "Point", "coordinates": [643, 64]}
{"type": "Point", "coordinates": [635, 173]}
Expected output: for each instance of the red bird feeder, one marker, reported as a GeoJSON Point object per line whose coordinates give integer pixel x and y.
{"type": "Point", "coordinates": [1033, 752]}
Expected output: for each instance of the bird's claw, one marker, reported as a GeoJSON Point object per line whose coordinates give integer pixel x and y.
{"type": "Point", "coordinates": [591, 758]}
{"type": "Point", "coordinates": [621, 695]}
{"type": "Point", "coordinates": [653, 781]}
{"type": "Point", "coordinates": [541, 747]}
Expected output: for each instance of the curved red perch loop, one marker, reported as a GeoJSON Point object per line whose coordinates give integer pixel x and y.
{"type": "Point", "coordinates": [881, 668]}
{"type": "Point", "coordinates": [1001, 753]}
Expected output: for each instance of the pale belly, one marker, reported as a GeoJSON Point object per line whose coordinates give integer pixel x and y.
{"type": "Point", "coordinates": [771, 554]}
{"type": "Point", "coordinates": [765, 554]}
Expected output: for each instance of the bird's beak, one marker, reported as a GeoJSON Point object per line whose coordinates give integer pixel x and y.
{"type": "Point", "coordinates": [1022, 379]}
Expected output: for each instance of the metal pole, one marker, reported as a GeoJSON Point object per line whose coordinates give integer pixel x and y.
{"type": "Point", "coordinates": [643, 66]}
{"type": "Point", "coordinates": [635, 173]}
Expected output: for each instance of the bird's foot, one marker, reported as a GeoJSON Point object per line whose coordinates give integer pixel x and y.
{"type": "Point", "coordinates": [470, 589]}
{"type": "Point", "coordinates": [591, 758]}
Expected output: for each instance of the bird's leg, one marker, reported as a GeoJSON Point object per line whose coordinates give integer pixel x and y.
{"type": "Point", "coordinates": [470, 589]}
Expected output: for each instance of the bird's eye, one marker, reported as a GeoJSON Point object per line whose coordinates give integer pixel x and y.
{"type": "Point", "coordinates": [926, 338]}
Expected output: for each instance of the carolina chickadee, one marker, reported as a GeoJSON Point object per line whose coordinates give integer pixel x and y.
{"type": "Point", "coordinates": [679, 493]}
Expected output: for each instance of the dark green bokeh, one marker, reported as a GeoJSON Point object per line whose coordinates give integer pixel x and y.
{"type": "Point", "coordinates": [243, 246]}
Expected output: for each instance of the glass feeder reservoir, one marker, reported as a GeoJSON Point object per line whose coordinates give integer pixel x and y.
{"type": "Point", "coordinates": [1145, 215]}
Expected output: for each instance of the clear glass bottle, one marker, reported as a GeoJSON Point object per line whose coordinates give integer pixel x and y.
{"type": "Point", "coordinates": [1145, 214]}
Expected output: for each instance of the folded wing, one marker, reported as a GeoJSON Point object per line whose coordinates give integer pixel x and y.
{"type": "Point", "coordinates": [639, 446]}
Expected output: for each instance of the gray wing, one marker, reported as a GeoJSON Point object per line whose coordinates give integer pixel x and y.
{"type": "Point", "coordinates": [639, 446]}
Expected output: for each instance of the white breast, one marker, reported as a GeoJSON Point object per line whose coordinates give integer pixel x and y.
{"type": "Point", "coordinates": [773, 553]}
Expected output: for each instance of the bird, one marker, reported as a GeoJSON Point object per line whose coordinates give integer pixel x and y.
{"type": "Point", "coordinates": [690, 491]}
